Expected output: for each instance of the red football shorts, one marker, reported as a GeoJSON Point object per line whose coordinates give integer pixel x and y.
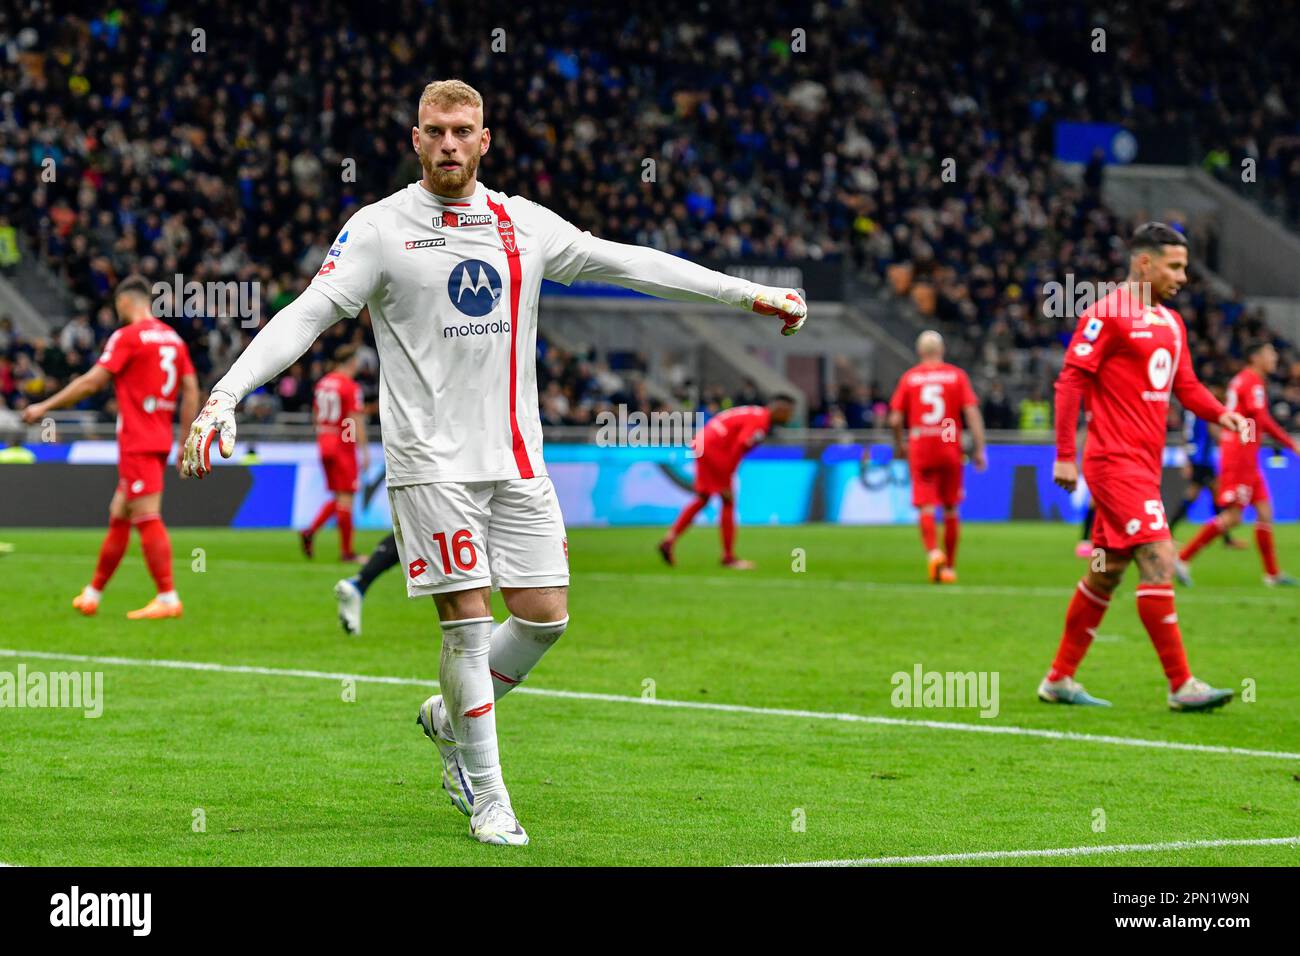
{"type": "Point", "coordinates": [937, 485]}
{"type": "Point", "coordinates": [140, 473]}
{"type": "Point", "coordinates": [1130, 510]}
{"type": "Point", "coordinates": [1240, 483]}
{"type": "Point", "coordinates": [712, 477]}
{"type": "Point", "coordinates": [340, 466]}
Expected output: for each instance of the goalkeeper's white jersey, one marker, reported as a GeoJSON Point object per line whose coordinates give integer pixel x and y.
{"type": "Point", "coordinates": [453, 288]}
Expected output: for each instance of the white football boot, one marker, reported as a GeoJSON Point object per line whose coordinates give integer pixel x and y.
{"type": "Point", "coordinates": [349, 598]}
{"type": "Point", "coordinates": [496, 823]}
{"type": "Point", "coordinates": [433, 721]}
{"type": "Point", "coordinates": [1067, 690]}
{"type": "Point", "coordinates": [1195, 694]}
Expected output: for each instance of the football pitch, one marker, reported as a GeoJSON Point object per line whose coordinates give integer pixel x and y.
{"type": "Point", "coordinates": [689, 716]}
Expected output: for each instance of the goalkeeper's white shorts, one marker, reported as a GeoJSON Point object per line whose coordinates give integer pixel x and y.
{"type": "Point", "coordinates": [456, 535]}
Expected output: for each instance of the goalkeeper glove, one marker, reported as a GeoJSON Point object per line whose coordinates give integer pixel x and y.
{"type": "Point", "coordinates": [787, 303]}
{"type": "Point", "coordinates": [216, 419]}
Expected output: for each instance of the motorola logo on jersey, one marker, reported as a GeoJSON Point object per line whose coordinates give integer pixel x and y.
{"type": "Point", "coordinates": [476, 328]}
{"type": "Point", "coordinates": [1160, 369]}
{"type": "Point", "coordinates": [474, 287]}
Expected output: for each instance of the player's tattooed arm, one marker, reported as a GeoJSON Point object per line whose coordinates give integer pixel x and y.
{"type": "Point", "coordinates": [1155, 561]}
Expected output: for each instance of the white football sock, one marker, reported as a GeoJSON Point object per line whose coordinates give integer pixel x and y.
{"type": "Point", "coordinates": [517, 646]}
{"type": "Point", "coordinates": [467, 689]}
{"type": "Point", "coordinates": [167, 597]}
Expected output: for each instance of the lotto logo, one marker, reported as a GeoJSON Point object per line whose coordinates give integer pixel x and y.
{"type": "Point", "coordinates": [417, 567]}
{"type": "Point", "coordinates": [327, 268]}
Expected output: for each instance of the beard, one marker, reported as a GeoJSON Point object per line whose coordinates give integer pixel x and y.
{"type": "Point", "coordinates": [447, 182]}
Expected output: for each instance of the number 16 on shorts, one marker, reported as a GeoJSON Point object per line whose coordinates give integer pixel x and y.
{"type": "Point", "coordinates": [457, 535]}
{"type": "Point", "coordinates": [441, 561]}
{"type": "Point", "coordinates": [461, 551]}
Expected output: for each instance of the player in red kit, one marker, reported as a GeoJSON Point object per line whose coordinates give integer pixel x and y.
{"type": "Point", "coordinates": [150, 369]}
{"type": "Point", "coordinates": [1241, 482]}
{"type": "Point", "coordinates": [339, 411]}
{"type": "Point", "coordinates": [1127, 355]}
{"type": "Point", "coordinates": [721, 445]}
{"type": "Point", "coordinates": [931, 399]}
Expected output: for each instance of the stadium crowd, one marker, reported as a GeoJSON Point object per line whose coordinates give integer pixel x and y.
{"type": "Point", "coordinates": [234, 147]}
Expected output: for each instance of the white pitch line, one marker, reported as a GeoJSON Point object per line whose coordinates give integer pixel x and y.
{"type": "Point", "coordinates": [1058, 852]}
{"type": "Point", "coordinates": [679, 704]}
{"type": "Point", "coordinates": [218, 668]}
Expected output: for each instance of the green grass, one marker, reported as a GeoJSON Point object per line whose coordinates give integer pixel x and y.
{"type": "Point", "coordinates": [287, 772]}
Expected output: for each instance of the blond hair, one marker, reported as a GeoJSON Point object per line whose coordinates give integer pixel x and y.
{"type": "Point", "coordinates": [444, 93]}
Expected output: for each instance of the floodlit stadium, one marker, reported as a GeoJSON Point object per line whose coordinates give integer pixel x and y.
{"type": "Point", "coordinates": [689, 434]}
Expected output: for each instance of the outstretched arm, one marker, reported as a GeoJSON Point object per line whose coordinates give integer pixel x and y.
{"type": "Point", "coordinates": [281, 343]}
{"type": "Point", "coordinates": [284, 339]}
{"type": "Point", "coordinates": [672, 277]}
{"type": "Point", "coordinates": [83, 386]}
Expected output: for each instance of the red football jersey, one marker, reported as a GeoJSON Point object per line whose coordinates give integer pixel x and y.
{"type": "Point", "coordinates": [147, 360]}
{"type": "Point", "coordinates": [336, 398]}
{"type": "Point", "coordinates": [1137, 357]}
{"type": "Point", "coordinates": [931, 398]}
{"type": "Point", "coordinates": [731, 433]}
{"type": "Point", "coordinates": [1248, 396]}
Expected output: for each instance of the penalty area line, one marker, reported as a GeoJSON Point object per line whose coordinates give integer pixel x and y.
{"type": "Point", "coordinates": [954, 726]}
{"type": "Point", "coordinates": [1067, 851]}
